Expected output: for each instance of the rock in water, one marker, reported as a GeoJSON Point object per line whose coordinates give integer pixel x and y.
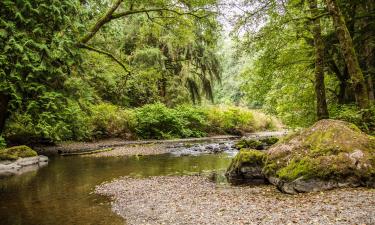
{"type": "Point", "coordinates": [247, 167]}
{"type": "Point", "coordinates": [327, 155]}
{"type": "Point", "coordinates": [19, 159]}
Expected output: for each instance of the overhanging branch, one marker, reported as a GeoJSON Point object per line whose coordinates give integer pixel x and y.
{"type": "Point", "coordinates": [108, 54]}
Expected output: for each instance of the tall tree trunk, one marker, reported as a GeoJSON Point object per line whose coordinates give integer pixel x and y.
{"type": "Point", "coordinates": [371, 92]}
{"type": "Point", "coordinates": [369, 49]}
{"type": "Point", "coordinates": [320, 90]}
{"type": "Point", "coordinates": [350, 56]}
{"type": "Point", "coordinates": [4, 102]}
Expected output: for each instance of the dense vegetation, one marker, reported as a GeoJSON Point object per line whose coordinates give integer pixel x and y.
{"type": "Point", "coordinates": [78, 70]}
{"type": "Point", "coordinates": [305, 60]}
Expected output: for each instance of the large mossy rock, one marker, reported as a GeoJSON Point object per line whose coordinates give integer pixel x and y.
{"type": "Point", "coordinates": [247, 167]}
{"type": "Point", "coordinates": [16, 152]}
{"type": "Point", "coordinates": [327, 155]}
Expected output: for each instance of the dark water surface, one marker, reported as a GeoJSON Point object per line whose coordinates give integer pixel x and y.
{"type": "Point", "coordinates": [60, 193]}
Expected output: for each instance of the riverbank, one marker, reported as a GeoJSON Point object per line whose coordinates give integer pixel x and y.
{"type": "Point", "coordinates": [139, 147]}
{"type": "Point", "coordinates": [196, 200]}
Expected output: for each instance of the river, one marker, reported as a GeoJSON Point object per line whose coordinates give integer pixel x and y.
{"type": "Point", "coordinates": [61, 192]}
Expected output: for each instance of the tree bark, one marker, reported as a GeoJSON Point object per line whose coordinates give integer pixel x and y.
{"type": "Point", "coordinates": [4, 102]}
{"type": "Point", "coordinates": [321, 102]}
{"type": "Point", "coordinates": [369, 49]}
{"type": "Point", "coordinates": [350, 56]}
{"type": "Point", "coordinates": [103, 20]}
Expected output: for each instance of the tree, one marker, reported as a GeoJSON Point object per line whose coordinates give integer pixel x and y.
{"type": "Point", "coordinates": [37, 46]}
{"type": "Point", "coordinates": [349, 53]}
{"type": "Point", "coordinates": [177, 38]}
{"type": "Point", "coordinates": [322, 111]}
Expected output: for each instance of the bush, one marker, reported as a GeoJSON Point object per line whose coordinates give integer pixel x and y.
{"type": "Point", "coordinates": [152, 121]}
{"type": "Point", "coordinates": [364, 119]}
{"type": "Point", "coordinates": [108, 120]}
{"type": "Point", "coordinates": [195, 119]}
{"type": "Point", "coordinates": [237, 120]}
{"type": "Point", "coordinates": [54, 124]}
{"type": "Point", "coordinates": [3, 144]}
{"type": "Point", "coordinates": [160, 122]}
{"type": "Point", "coordinates": [231, 120]}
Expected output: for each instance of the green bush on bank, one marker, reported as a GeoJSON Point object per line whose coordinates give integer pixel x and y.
{"type": "Point", "coordinates": [3, 144]}
{"type": "Point", "coordinates": [151, 121]}
{"type": "Point", "coordinates": [363, 118]}
{"type": "Point", "coordinates": [107, 120]}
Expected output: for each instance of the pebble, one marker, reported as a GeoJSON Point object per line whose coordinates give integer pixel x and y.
{"type": "Point", "coordinates": [196, 200]}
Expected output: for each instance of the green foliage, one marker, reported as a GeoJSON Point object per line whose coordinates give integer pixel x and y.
{"type": "Point", "coordinates": [196, 120]}
{"type": "Point", "coordinates": [16, 152]}
{"type": "Point", "coordinates": [38, 51]}
{"type": "Point", "coordinates": [3, 144]}
{"type": "Point", "coordinates": [68, 123]}
{"type": "Point", "coordinates": [251, 144]}
{"type": "Point", "coordinates": [158, 121]}
{"type": "Point", "coordinates": [364, 119]}
{"type": "Point", "coordinates": [108, 120]}
{"type": "Point", "coordinates": [238, 120]}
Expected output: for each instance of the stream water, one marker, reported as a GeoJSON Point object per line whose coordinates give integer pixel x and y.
{"type": "Point", "coordinates": [61, 192]}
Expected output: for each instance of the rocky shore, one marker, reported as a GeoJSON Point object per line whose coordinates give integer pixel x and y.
{"type": "Point", "coordinates": [22, 165]}
{"type": "Point", "coordinates": [196, 200]}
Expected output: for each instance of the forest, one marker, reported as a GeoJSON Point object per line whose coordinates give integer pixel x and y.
{"type": "Point", "coordinates": [279, 92]}
{"type": "Point", "coordinates": [66, 66]}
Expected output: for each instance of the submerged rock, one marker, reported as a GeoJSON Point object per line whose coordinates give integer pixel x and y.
{"type": "Point", "coordinates": [327, 155]}
{"type": "Point", "coordinates": [247, 167]}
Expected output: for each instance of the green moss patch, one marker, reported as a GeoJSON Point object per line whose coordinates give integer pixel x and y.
{"type": "Point", "coordinates": [247, 157]}
{"type": "Point", "coordinates": [16, 152]}
{"type": "Point", "coordinates": [329, 150]}
{"type": "Point", "coordinates": [251, 144]}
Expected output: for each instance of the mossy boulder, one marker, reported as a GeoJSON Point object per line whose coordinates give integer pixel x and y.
{"type": "Point", "coordinates": [270, 140]}
{"type": "Point", "coordinates": [247, 167]}
{"type": "Point", "coordinates": [327, 155]}
{"type": "Point", "coordinates": [249, 144]}
{"type": "Point", "coordinates": [16, 152]}
{"type": "Point", "coordinates": [260, 144]}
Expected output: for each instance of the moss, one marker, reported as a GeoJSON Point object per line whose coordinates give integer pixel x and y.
{"type": "Point", "coordinates": [270, 140]}
{"type": "Point", "coordinates": [247, 157]}
{"type": "Point", "coordinates": [323, 152]}
{"type": "Point", "coordinates": [295, 169]}
{"type": "Point", "coordinates": [16, 152]}
{"type": "Point", "coordinates": [251, 144]}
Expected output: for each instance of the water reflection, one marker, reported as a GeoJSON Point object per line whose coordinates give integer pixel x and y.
{"type": "Point", "coordinates": [60, 192]}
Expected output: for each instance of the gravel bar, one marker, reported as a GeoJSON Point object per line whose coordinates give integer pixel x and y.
{"type": "Point", "coordinates": [196, 200]}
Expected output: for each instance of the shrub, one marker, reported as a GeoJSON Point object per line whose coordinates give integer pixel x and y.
{"type": "Point", "coordinates": [160, 122]}
{"type": "Point", "coordinates": [238, 120]}
{"type": "Point", "coordinates": [363, 118]}
{"type": "Point", "coordinates": [108, 120]}
{"type": "Point", "coordinates": [195, 119]}
{"type": "Point", "coordinates": [54, 124]}
{"type": "Point", "coordinates": [3, 144]}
